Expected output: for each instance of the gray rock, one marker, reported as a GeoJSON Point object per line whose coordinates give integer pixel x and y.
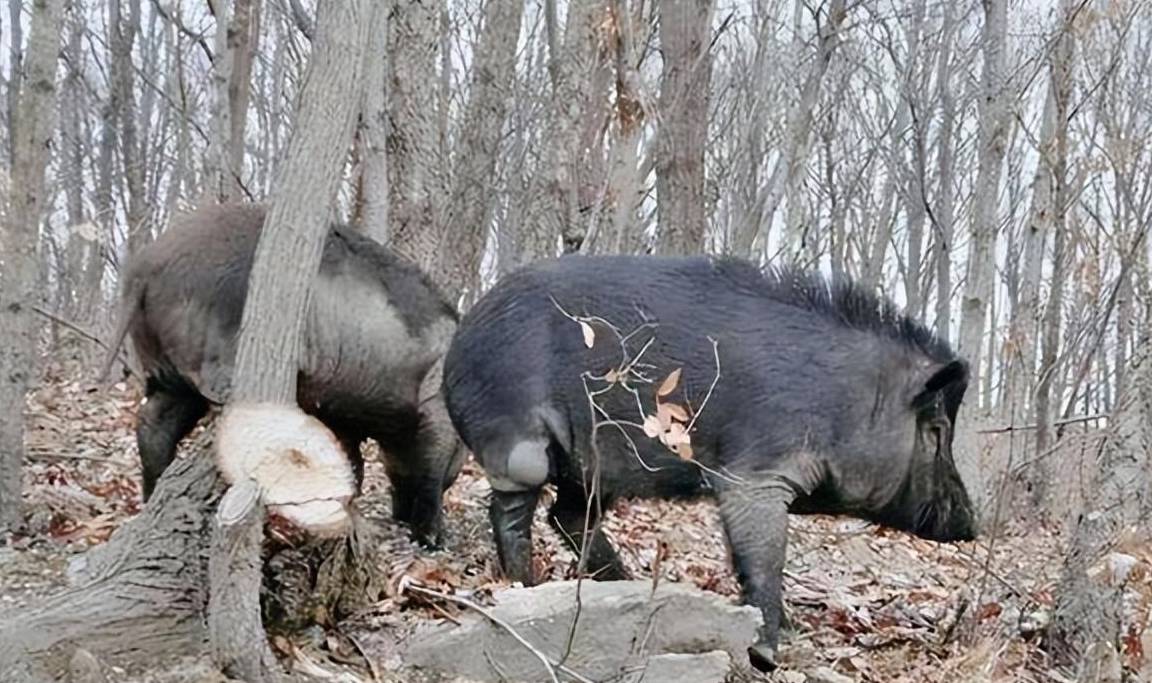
{"type": "Point", "coordinates": [711, 667]}
{"type": "Point", "coordinates": [621, 625]}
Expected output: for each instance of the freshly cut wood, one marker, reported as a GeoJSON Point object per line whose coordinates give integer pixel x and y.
{"type": "Point", "coordinates": [296, 462]}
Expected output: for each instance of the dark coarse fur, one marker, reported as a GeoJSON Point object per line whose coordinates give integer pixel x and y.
{"type": "Point", "coordinates": [374, 335]}
{"type": "Point", "coordinates": [828, 400]}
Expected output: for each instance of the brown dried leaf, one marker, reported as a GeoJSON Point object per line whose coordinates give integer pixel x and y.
{"type": "Point", "coordinates": [612, 377]}
{"type": "Point", "coordinates": [676, 411]}
{"type": "Point", "coordinates": [669, 383]}
{"type": "Point", "coordinates": [589, 333]}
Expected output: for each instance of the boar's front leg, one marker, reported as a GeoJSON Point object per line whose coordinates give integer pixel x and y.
{"type": "Point", "coordinates": [755, 517]}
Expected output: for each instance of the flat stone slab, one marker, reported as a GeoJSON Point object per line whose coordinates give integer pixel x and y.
{"type": "Point", "coordinates": [623, 627]}
{"type": "Point", "coordinates": [711, 667]}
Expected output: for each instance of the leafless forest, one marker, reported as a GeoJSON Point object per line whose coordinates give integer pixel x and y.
{"type": "Point", "coordinates": [987, 165]}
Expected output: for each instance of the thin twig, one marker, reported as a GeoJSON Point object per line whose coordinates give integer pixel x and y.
{"type": "Point", "coordinates": [1057, 423]}
{"type": "Point", "coordinates": [409, 584]}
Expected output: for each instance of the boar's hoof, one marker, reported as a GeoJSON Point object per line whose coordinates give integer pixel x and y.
{"type": "Point", "coordinates": [762, 656]}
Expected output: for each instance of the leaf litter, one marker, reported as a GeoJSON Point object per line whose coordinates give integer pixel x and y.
{"type": "Point", "coordinates": [866, 603]}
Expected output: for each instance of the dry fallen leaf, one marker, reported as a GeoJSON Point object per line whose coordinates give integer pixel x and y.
{"type": "Point", "coordinates": [669, 383]}
{"type": "Point", "coordinates": [676, 411]}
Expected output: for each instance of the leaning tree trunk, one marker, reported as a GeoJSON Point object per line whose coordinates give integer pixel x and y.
{"type": "Point", "coordinates": [181, 578]}
{"type": "Point", "coordinates": [19, 267]}
{"type": "Point", "coordinates": [274, 315]}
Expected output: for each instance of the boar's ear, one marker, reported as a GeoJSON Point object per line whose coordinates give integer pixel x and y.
{"type": "Point", "coordinates": [949, 381]}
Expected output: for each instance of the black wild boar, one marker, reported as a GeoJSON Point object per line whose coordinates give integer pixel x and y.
{"type": "Point", "coordinates": [374, 339]}
{"type": "Point", "coordinates": [828, 401]}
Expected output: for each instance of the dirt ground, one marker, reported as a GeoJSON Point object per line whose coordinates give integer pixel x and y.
{"type": "Point", "coordinates": [868, 604]}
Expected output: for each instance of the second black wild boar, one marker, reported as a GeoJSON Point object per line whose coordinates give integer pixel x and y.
{"type": "Point", "coordinates": [375, 333]}
{"type": "Point", "coordinates": [829, 400]}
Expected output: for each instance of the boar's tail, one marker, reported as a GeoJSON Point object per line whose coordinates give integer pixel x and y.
{"type": "Point", "coordinates": [130, 306]}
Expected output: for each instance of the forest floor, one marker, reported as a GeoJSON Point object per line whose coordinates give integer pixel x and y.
{"type": "Point", "coordinates": [868, 604]}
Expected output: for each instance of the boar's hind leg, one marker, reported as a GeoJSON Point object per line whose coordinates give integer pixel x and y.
{"type": "Point", "coordinates": [420, 473]}
{"type": "Point", "coordinates": [510, 513]}
{"type": "Point", "coordinates": [165, 418]}
{"type": "Point", "coordinates": [569, 516]}
{"type": "Point", "coordinates": [755, 517]}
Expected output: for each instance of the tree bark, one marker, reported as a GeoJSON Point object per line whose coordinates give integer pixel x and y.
{"type": "Point", "coordinates": [19, 232]}
{"type": "Point", "coordinates": [415, 183]}
{"type": "Point", "coordinates": [234, 573]}
{"type": "Point", "coordinates": [296, 224]}
{"type": "Point", "coordinates": [141, 595]}
{"type": "Point", "coordinates": [371, 208]}
{"type": "Point", "coordinates": [573, 61]}
{"type": "Point", "coordinates": [685, 36]}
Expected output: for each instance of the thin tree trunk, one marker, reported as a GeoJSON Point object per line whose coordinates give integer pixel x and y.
{"type": "Point", "coordinates": [16, 69]}
{"type": "Point", "coordinates": [371, 207]}
{"type": "Point", "coordinates": [415, 184]}
{"type": "Point", "coordinates": [472, 200]}
{"type": "Point", "coordinates": [994, 111]}
{"type": "Point", "coordinates": [275, 310]}
{"type": "Point", "coordinates": [944, 166]}
{"type": "Point", "coordinates": [685, 33]}
{"type": "Point", "coordinates": [220, 183]}
{"type": "Point", "coordinates": [19, 232]}
{"type": "Point", "coordinates": [571, 64]}
{"type": "Point", "coordinates": [243, 43]}
{"type": "Point", "coordinates": [787, 170]}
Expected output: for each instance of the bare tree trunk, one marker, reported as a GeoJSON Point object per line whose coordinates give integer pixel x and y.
{"type": "Point", "coordinates": [572, 62]}
{"type": "Point", "coordinates": [371, 206]}
{"type": "Point", "coordinates": [275, 310]}
{"type": "Point", "coordinates": [16, 69]}
{"type": "Point", "coordinates": [473, 197]}
{"type": "Point", "coordinates": [993, 134]}
{"type": "Point", "coordinates": [1089, 614]}
{"type": "Point", "coordinates": [1047, 212]}
{"type": "Point", "coordinates": [944, 169]}
{"type": "Point", "coordinates": [795, 147]}
{"type": "Point", "coordinates": [243, 42]}
{"type": "Point", "coordinates": [685, 34]}
{"type": "Point", "coordinates": [414, 181]}
{"type": "Point", "coordinates": [122, 32]}
{"type": "Point", "coordinates": [220, 184]}
{"type": "Point", "coordinates": [19, 233]}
